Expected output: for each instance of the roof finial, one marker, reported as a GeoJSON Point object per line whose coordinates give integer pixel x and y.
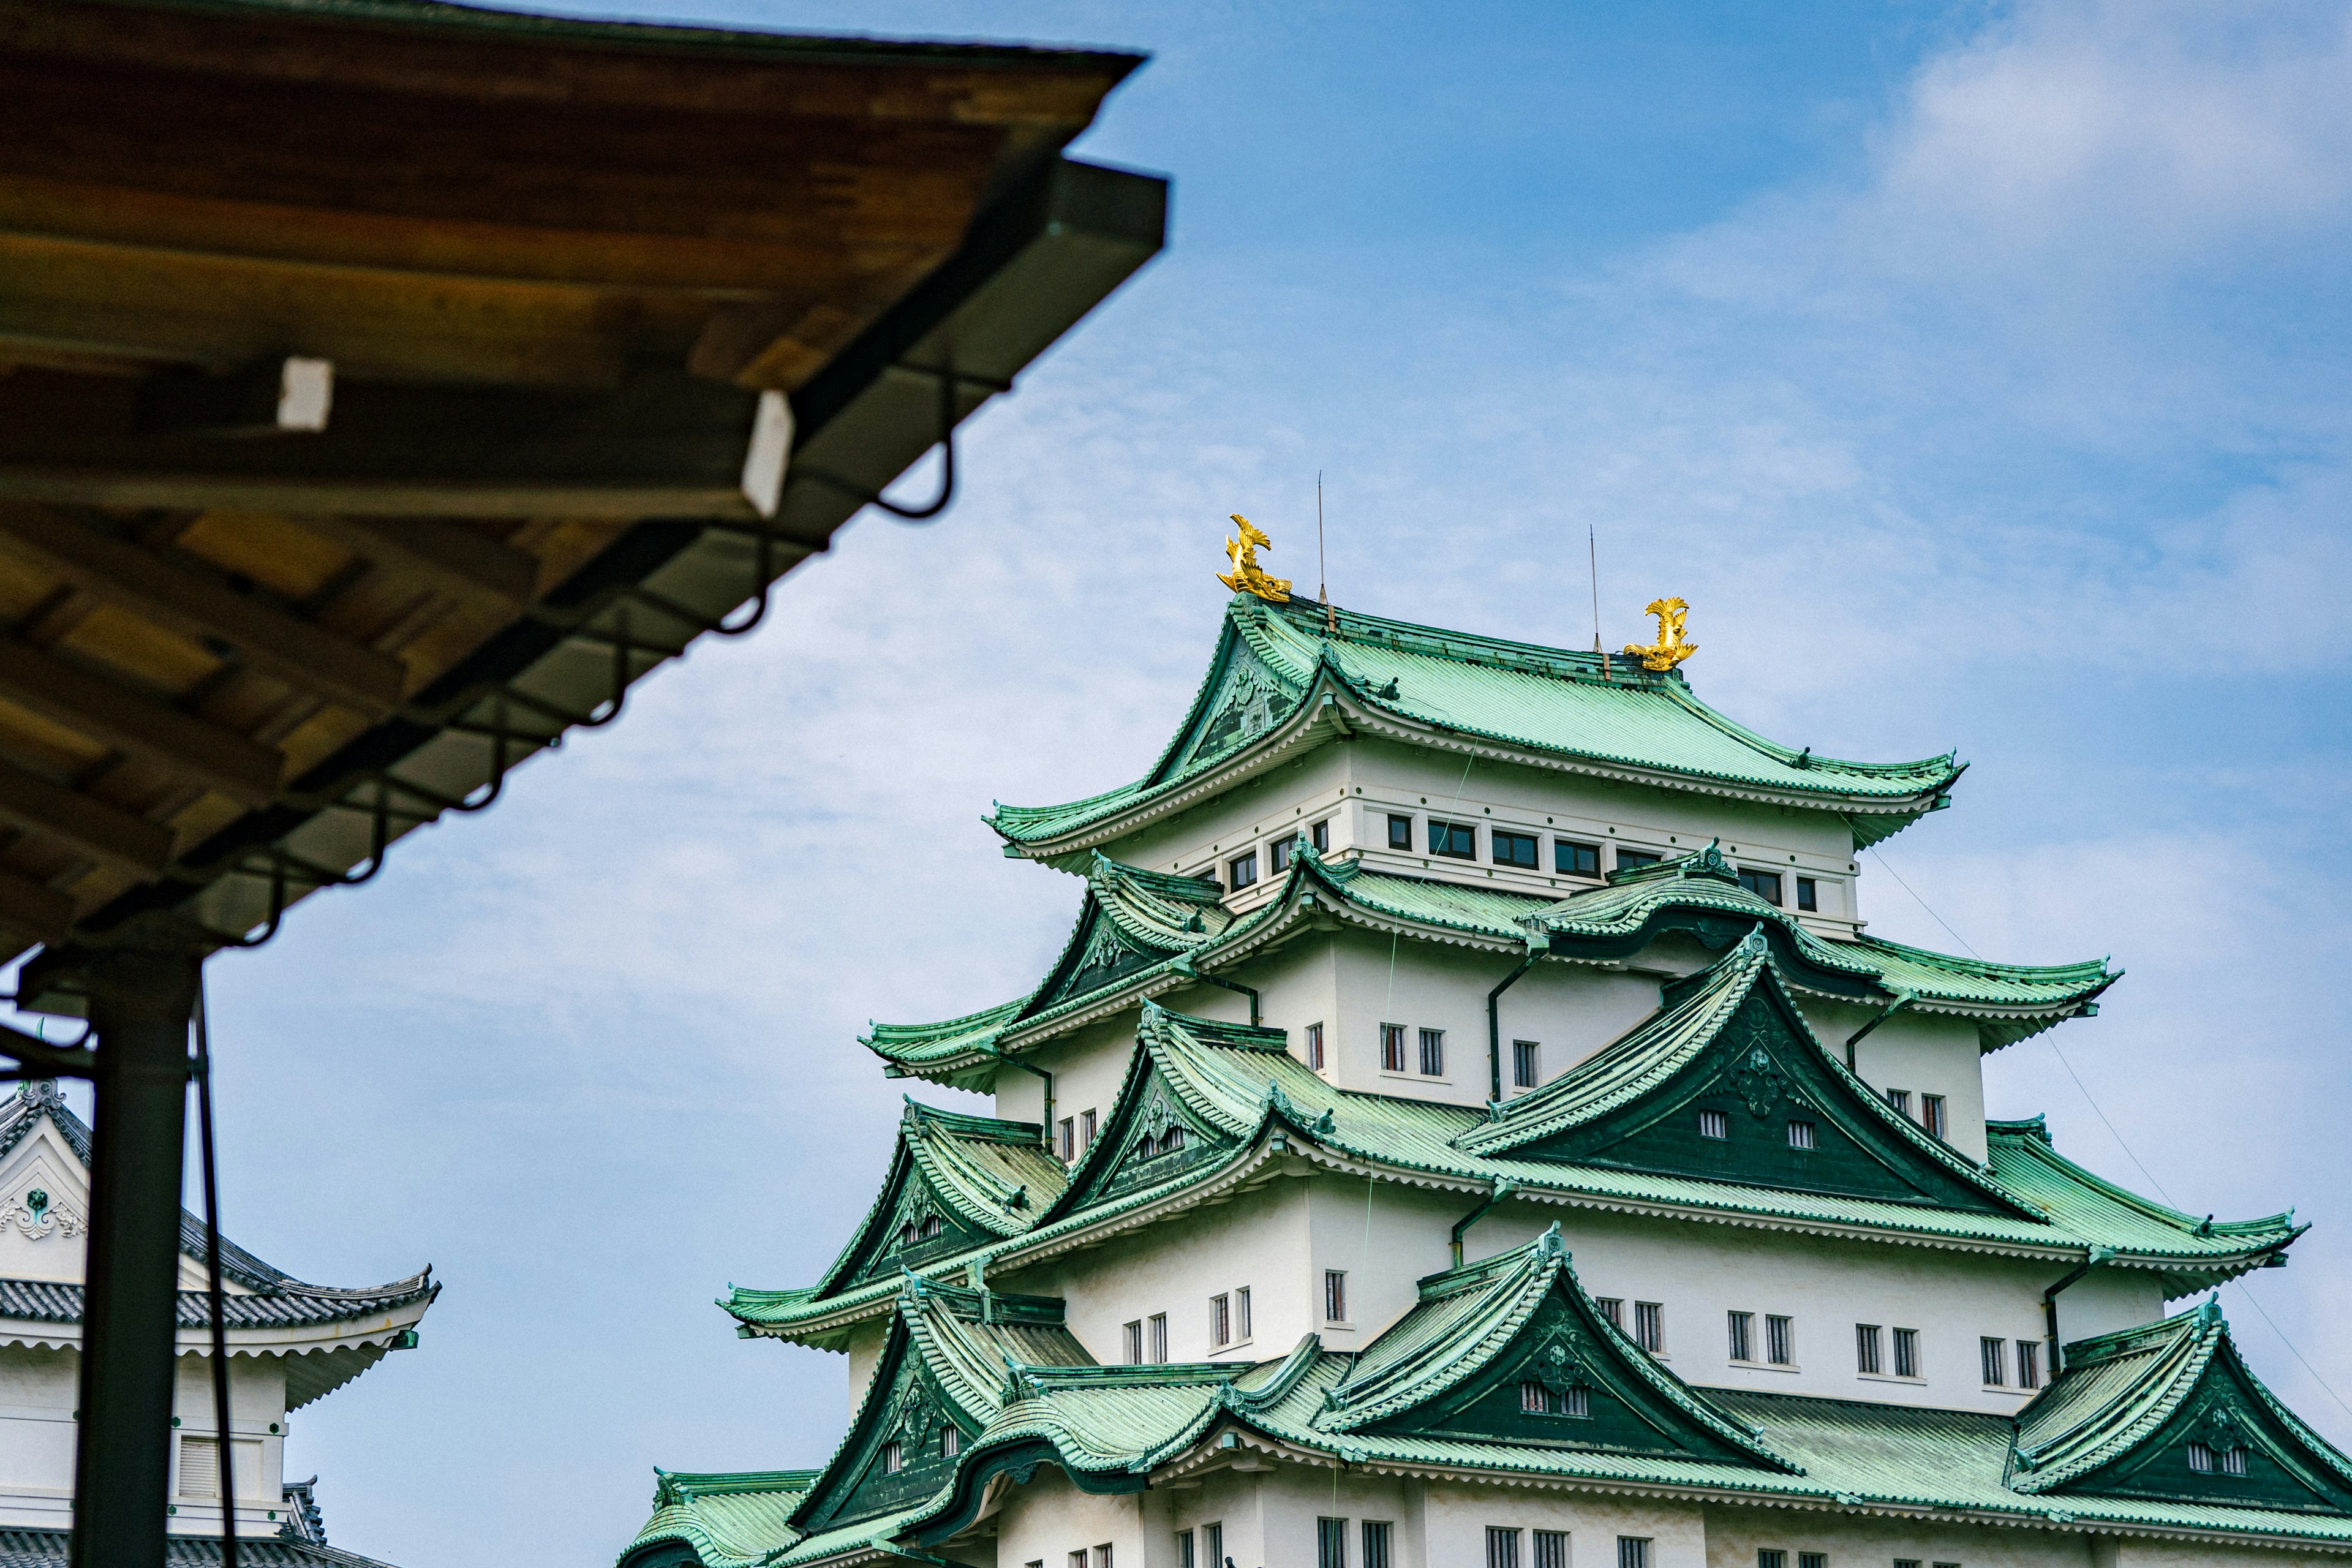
{"type": "Point", "coordinates": [1247, 576]}
{"type": "Point", "coordinates": [1670, 650]}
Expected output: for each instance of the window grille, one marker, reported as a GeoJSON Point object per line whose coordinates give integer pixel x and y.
{"type": "Point", "coordinates": [1502, 1547]}
{"type": "Point", "coordinates": [894, 1459]}
{"type": "Point", "coordinates": [1801, 1134]}
{"type": "Point", "coordinates": [1900, 1098]}
{"type": "Point", "coordinates": [1078, 1558]}
{"type": "Point", "coordinates": [1400, 837]}
{"type": "Point", "coordinates": [1086, 1124]}
{"type": "Point", "coordinates": [1809, 897]}
{"type": "Point", "coordinates": [1613, 1309]}
{"type": "Point", "coordinates": [1183, 1551]}
{"type": "Point", "coordinates": [1213, 1545]}
{"type": "Point", "coordinates": [1742, 1335]}
{"type": "Point", "coordinates": [1065, 1139]}
{"type": "Point", "coordinates": [1319, 835]}
{"type": "Point", "coordinates": [1868, 1338]}
{"type": "Point", "coordinates": [950, 1442]}
{"type": "Point", "coordinates": [1335, 1295]}
{"type": "Point", "coordinates": [1535, 1399]}
{"type": "Point", "coordinates": [1102, 1555]}
{"type": "Point", "coordinates": [1377, 1535]}
{"type": "Point", "coordinates": [1171, 1141]}
{"type": "Point", "coordinates": [1221, 1321]}
{"type": "Point", "coordinates": [2200, 1460]}
{"type": "Point", "coordinates": [1243, 870]}
{"type": "Point", "coordinates": [1779, 1342]}
{"type": "Point", "coordinates": [1454, 840]}
{"type": "Point", "coordinates": [1993, 1352]}
{"type": "Point", "coordinates": [1576, 1404]}
{"type": "Point", "coordinates": [1513, 848]}
{"type": "Point", "coordinates": [1765, 884]}
{"type": "Point", "coordinates": [1573, 860]}
{"type": "Point", "coordinates": [1134, 1333]}
{"type": "Point", "coordinates": [1633, 1551]}
{"type": "Point", "coordinates": [1649, 1326]}
{"type": "Point", "coordinates": [1931, 1114]}
{"type": "Point", "coordinates": [2234, 1461]}
{"type": "Point", "coordinates": [1526, 1059]}
{"type": "Point", "coordinates": [1714, 1125]}
{"type": "Point", "coordinates": [1314, 1041]}
{"type": "Point", "coordinates": [2029, 1364]}
{"type": "Point", "coordinates": [1771, 1557]}
{"type": "Point", "coordinates": [1812, 1559]}
{"type": "Point", "coordinates": [200, 1466]}
{"type": "Point", "coordinates": [1433, 1053]}
{"type": "Point", "coordinates": [1906, 1352]}
{"type": "Point", "coordinates": [1158, 1326]}
{"type": "Point", "coordinates": [1907, 1563]}
{"type": "Point", "coordinates": [1634, 860]}
{"type": "Point", "coordinates": [1393, 1047]}
{"type": "Point", "coordinates": [1241, 1312]}
{"type": "Point", "coordinates": [1330, 1543]}
{"type": "Point", "coordinates": [1551, 1549]}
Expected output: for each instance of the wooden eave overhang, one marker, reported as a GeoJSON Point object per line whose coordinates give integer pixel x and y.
{"type": "Point", "coordinates": [570, 278]}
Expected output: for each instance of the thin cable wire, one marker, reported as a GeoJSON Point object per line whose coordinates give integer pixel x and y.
{"type": "Point", "coordinates": [212, 1279]}
{"type": "Point", "coordinates": [2115, 1133]}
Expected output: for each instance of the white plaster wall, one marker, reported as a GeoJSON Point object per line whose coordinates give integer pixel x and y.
{"type": "Point", "coordinates": [1735, 1536]}
{"type": "Point", "coordinates": [256, 1403]}
{"type": "Point", "coordinates": [1048, 1520]}
{"type": "Point", "coordinates": [1700, 1273]}
{"type": "Point", "coordinates": [1926, 1053]}
{"type": "Point", "coordinates": [865, 1342]}
{"type": "Point", "coordinates": [1457, 1517]}
{"type": "Point", "coordinates": [1272, 805]}
{"type": "Point", "coordinates": [38, 1394]}
{"type": "Point", "coordinates": [1254, 1241]}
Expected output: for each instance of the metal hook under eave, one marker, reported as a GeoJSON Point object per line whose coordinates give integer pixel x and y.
{"type": "Point", "coordinates": [764, 559]}
{"type": "Point", "coordinates": [497, 781]}
{"type": "Point", "coordinates": [945, 443]}
{"type": "Point", "coordinates": [622, 648]}
{"type": "Point", "coordinates": [277, 906]}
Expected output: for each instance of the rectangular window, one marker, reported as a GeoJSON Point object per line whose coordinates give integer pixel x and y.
{"type": "Point", "coordinates": [1278, 856]}
{"type": "Point", "coordinates": [1779, 1342]}
{"type": "Point", "coordinates": [1649, 1326]}
{"type": "Point", "coordinates": [1221, 1321]}
{"type": "Point", "coordinates": [1241, 1312]}
{"type": "Point", "coordinates": [1242, 871]}
{"type": "Point", "coordinates": [1512, 848]}
{"type": "Point", "coordinates": [1133, 1334]}
{"type": "Point", "coordinates": [1900, 1098]}
{"type": "Point", "coordinates": [1714, 1125]}
{"type": "Point", "coordinates": [2029, 1364]}
{"type": "Point", "coordinates": [1524, 1061]}
{"type": "Point", "coordinates": [1765, 884]}
{"type": "Point", "coordinates": [894, 1459]}
{"type": "Point", "coordinates": [1535, 1399]}
{"type": "Point", "coordinates": [1633, 1551]}
{"type": "Point", "coordinates": [1102, 1555]}
{"type": "Point", "coordinates": [1613, 1309]}
{"type": "Point", "coordinates": [1502, 1547]}
{"type": "Point", "coordinates": [1393, 1047]}
{"type": "Point", "coordinates": [1812, 1559]}
{"type": "Point", "coordinates": [1573, 860]}
{"type": "Point", "coordinates": [2200, 1460]}
{"type": "Point", "coordinates": [1433, 1053]}
{"type": "Point", "coordinates": [1399, 832]}
{"type": "Point", "coordinates": [1319, 835]}
{"type": "Point", "coordinates": [1078, 1558]}
{"type": "Point", "coordinates": [1551, 1549]}
{"type": "Point", "coordinates": [1801, 1134]}
{"type": "Point", "coordinates": [200, 1466]}
{"type": "Point", "coordinates": [1335, 1295]}
{"type": "Point", "coordinates": [1378, 1533]}
{"type": "Point", "coordinates": [1993, 1354]}
{"type": "Point", "coordinates": [1184, 1558]}
{"type": "Point", "coordinates": [1742, 1333]}
{"type": "Point", "coordinates": [2234, 1461]}
{"type": "Point", "coordinates": [1454, 840]}
{"type": "Point", "coordinates": [950, 1442]}
{"type": "Point", "coordinates": [1906, 1352]}
{"type": "Point", "coordinates": [1213, 1545]}
{"type": "Point", "coordinates": [1808, 896]}
{"type": "Point", "coordinates": [1867, 1339]}
{"type": "Point", "coordinates": [1634, 860]}
{"type": "Point", "coordinates": [1907, 1563]}
{"type": "Point", "coordinates": [1315, 1046]}
{"type": "Point", "coordinates": [1086, 1124]}
{"type": "Point", "coordinates": [1066, 1140]}
{"type": "Point", "coordinates": [1931, 1114]}
{"type": "Point", "coordinates": [1771, 1557]}
{"type": "Point", "coordinates": [1330, 1543]}
{"type": "Point", "coordinates": [1158, 1324]}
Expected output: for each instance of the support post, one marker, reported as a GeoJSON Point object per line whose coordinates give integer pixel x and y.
{"type": "Point", "coordinates": [140, 1004]}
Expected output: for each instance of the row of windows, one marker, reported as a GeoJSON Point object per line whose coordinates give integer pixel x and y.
{"type": "Point", "coordinates": [893, 1455]}
{"type": "Point", "coordinates": [1932, 1115]}
{"type": "Point", "coordinates": [1871, 1343]}
{"type": "Point", "coordinates": [2207, 1459]}
{"type": "Point", "coordinates": [1377, 1535]}
{"type": "Point", "coordinates": [1430, 1059]}
{"type": "Point", "coordinates": [1229, 1319]}
{"type": "Point", "coordinates": [1550, 1549]}
{"type": "Point", "coordinates": [1718, 1125]}
{"type": "Point", "coordinates": [1403, 1052]}
{"type": "Point", "coordinates": [1075, 1135]}
{"type": "Point", "coordinates": [1211, 1546]}
{"type": "Point", "coordinates": [1569, 856]}
{"type": "Point", "coordinates": [1776, 1557]}
{"type": "Point", "coordinates": [1649, 1322]}
{"type": "Point", "coordinates": [1081, 1557]}
{"type": "Point", "coordinates": [1242, 871]}
{"type": "Point", "coordinates": [1144, 1341]}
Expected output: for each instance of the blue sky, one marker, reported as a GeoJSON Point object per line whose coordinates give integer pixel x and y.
{"type": "Point", "coordinates": [1976, 372]}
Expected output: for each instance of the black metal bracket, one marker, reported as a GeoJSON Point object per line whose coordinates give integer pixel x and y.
{"type": "Point", "coordinates": [950, 384]}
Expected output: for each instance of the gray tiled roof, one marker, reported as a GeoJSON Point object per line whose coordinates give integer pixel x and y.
{"type": "Point", "coordinates": [48, 1548]}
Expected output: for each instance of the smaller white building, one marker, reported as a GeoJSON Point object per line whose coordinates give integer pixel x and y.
{"type": "Point", "coordinates": [289, 1344]}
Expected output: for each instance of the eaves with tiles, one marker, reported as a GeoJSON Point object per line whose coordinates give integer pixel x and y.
{"type": "Point", "coordinates": [1264, 1258]}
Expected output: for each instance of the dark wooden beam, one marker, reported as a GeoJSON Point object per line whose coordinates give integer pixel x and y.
{"type": "Point", "coordinates": [305, 657]}
{"type": "Point", "coordinates": [31, 910]}
{"type": "Point", "coordinates": [462, 560]}
{"type": "Point", "coordinates": [83, 824]}
{"type": "Point", "coordinates": [244, 770]}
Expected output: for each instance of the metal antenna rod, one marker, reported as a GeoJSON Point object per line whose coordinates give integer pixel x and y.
{"type": "Point", "coordinates": [1322, 583]}
{"type": "Point", "coordinates": [1592, 560]}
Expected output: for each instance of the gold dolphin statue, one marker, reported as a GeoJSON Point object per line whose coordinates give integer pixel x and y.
{"type": "Point", "coordinates": [1247, 576]}
{"type": "Point", "coordinates": [1670, 650]}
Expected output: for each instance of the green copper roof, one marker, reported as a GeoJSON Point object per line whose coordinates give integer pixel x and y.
{"type": "Point", "coordinates": [1150, 916]}
{"type": "Point", "coordinates": [1228, 1082]}
{"type": "Point", "coordinates": [728, 1519]}
{"type": "Point", "coordinates": [2122, 1415]}
{"type": "Point", "coordinates": [1272, 662]}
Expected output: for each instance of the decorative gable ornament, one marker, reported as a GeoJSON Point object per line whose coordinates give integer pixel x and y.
{"type": "Point", "coordinates": [37, 1215]}
{"type": "Point", "coordinates": [1758, 1085]}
